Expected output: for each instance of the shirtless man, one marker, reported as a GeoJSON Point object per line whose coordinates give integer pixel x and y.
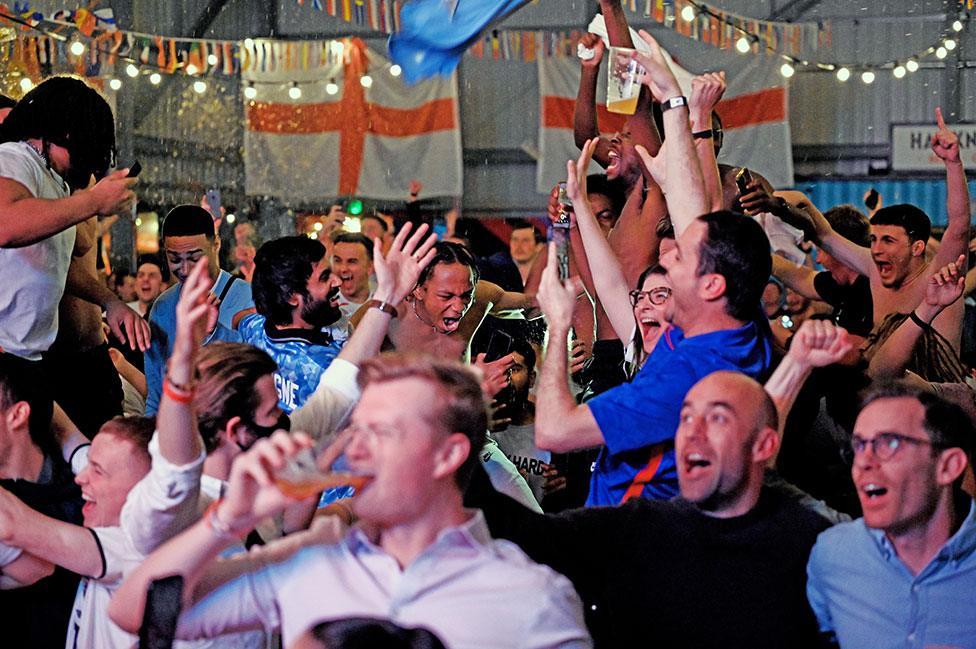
{"type": "Point", "coordinates": [447, 306]}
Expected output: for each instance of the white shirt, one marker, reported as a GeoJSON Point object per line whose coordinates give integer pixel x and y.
{"type": "Point", "coordinates": [471, 591]}
{"type": "Point", "coordinates": [33, 276]}
{"type": "Point", "coordinates": [330, 404]}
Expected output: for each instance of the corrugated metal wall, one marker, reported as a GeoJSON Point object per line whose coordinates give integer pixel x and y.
{"type": "Point", "coordinates": [928, 194]}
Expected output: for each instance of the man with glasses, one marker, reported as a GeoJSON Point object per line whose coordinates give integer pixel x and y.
{"type": "Point", "coordinates": [905, 574]}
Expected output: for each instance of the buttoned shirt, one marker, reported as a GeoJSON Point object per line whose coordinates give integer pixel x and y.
{"type": "Point", "coordinates": [862, 592]}
{"type": "Point", "coordinates": [470, 590]}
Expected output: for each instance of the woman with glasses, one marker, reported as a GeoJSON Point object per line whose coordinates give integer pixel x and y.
{"type": "Point", "coordinates": [653, 309]}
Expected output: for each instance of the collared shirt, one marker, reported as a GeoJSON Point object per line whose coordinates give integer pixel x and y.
{"type": "Point", "coordinates": [863, 593]}
{"type": "Point", "coordinates": [470, 590]}
{"type": "Point", "coordinates": [639, 419]}
{"type": "Point", "coordinates": [162, 321]}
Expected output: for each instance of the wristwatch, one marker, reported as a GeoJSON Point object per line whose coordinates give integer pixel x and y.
{"type": "Point", "coordinates": [674, 102]}
{"type": "Point", "coordinates": [385, 307]}
{"type": "Point", "coordinates": [707, 134]}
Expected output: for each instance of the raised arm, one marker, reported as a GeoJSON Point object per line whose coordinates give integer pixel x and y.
{"type": "Point", "coordinates": [955, 241]}
{"type": "Point", "coordinates": [798, 278]}
{"type": "Point", "coordinates": [944, 288]}
{"type": "Point", "coordinates": [560, 424]}
{"type": "Point", "coordinates": [706, 92]}
{"type": "Point", "coordinates": [608, 276]}
{"type": "Point", "coordinates": [28, 220]}
{"type": "Point", "coordinates": [680, 175]}
{"type": "Point", "coordinates": [585, 125]}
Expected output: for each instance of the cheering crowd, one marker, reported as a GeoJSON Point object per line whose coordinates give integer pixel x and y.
{"type": "Point", "coordinates": [739, 421]}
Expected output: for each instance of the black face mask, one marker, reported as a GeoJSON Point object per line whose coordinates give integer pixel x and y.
{"type": "Point", "coordinates": [259, 431]}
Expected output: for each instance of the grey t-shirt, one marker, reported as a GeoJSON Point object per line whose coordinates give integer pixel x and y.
{"type": "Point", "coordinates": [518, 445]}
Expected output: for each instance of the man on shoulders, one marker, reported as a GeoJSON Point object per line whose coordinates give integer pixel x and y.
{"type": "Point", "coordinates": [188, 235]}
{"type": "Point", "coordinates": [905, 574]}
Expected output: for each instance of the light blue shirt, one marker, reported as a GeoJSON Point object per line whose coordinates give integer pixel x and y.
{"type": "Point", "coordinates": [162, 321]}
{"type": "Point", "coordinates": [863, 594]}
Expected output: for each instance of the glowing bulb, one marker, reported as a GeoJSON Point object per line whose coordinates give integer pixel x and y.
{"type": "Point", "coordinates": [331, 88]}
{"type": "Point", "coordinates": [688, 13]}
{"type": "Point", "coordinates": [366, 81]}
{"type": "Point", "coordinates": [250, 92]}
{"type": "Point", "coordinates": [138, 222]}
{"type": "Point", "coordinates": [743, 45]}
{"type": "Point", "coordinates": [911, 65]}
{"type": "Point", "coordinates": [313, 235]}
{"type": "Point", "coordinates": [199, 87]}
{"type": "Point", "coordinates": [867, 76]}
{"type": "Point", "coordinates": [191, 69]}
{"type": "Point", "coordinates": [949, 44]}
{"type": "Point", "coordinates": [211, 59]}
{"type": "Point", "coordinates": [843, 74]}
{"type": "Point", "coordinates": [230, 218]}
{"type": "Point", "coordinates": [396, 70]}
{"type": "Point", "coordinates": [317, 226]}
{"type": "Point", "coordinates": [957, 25]}
{"type": "Point", "coordinates": [132, 70]}
{"type": "Point", "coordinates": [115, 84]}
{"type": "Point", "coordinates": [248, 43]}
{"type": "Point", "coordinates": [77, 48]}
{"type": "Point", "coordinates": [26, 84]}
{"type": "Point", "coordinates": [941, 52]}
{"type": "Point", "coordinates": [899, 71]}
{"type": "Point", "coordinates": [155, 78]}
{"type": "Point", "coordinates": [295, 92]}
{"type": "Point", "coordinates": [787, 70]}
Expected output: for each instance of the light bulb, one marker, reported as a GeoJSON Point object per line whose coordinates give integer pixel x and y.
{"type": "Point", "coordinates": [199, 87]}
{"type": "Point", "coordinates": [230, 218]}
{"type": "Point", "coordinates": [132, 70]}
{"type": "Point", "coordinates": [688, 13]}
{"type": "Point", "coordinates": [211, 59]}
{"type": "Point", "coordinates": [366, 81]}
{"type": "Point", "coordinates": [957, 25]}
{"type": "Point", "coordinates": [26, 84]}
{"type": "Point", "coordinates": [949, 44]}
{"type": "Point", "coordinates": [250, 92]}
{"type": "Point", "coordinates": [155, 78]}
{"type": "Point", "coordinates": [843, 74]}
{"type": "Point", "coordinates": [191, 69]}
{"type": "Point", "coordinates": [115, 84]}
{"type": "Point", "coordinates": [248, 43]}
{"type": "Point", "coordinates": [787, 70]}
{"type": "Point", "coordinates": [317, 226]}
{"type": "Point", "coordinates": [899, 71]}
{"type": "Point", "coordinates": [396, 70]}
{"type": "Point", "coordinates": [77, 48]}
{"type": "Point", "coordinates": [911, 65]}
{"type": "Point", "coordinates": [743, 45]}
{"type": "Point", "coordinates": [941, 52]}
{"type": "Point", "coordinates": [331, 88]}
{"type": "Point", "coordinates": [313, 235]}
{"type": "Point", "coordinates": [867, 76]}
{"type": "Point", "coordinates": [295, 92]}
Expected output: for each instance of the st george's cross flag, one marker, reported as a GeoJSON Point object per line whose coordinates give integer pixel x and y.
{"type": "Point", "coordinates": [360, 141]}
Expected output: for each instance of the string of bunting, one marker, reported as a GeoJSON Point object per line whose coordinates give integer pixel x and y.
{"type": "Point", "coordinates": [378, 15]}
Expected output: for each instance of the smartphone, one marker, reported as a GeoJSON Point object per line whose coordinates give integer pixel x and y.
{"type": "Point", "coordinates": [213, 201]}
{"type": "Point", "coordinates": [499, 345]}
{"type": "Point", "coordinates": [164, 600]}
{"type": "Point", "coordinates": [134, 169]}
{"type": "Point", "coordinates": [742, 180]}
{"type": "Point", "coordinates": [439, 226]}
{"type": "Point", "coordinates": [871, 200]}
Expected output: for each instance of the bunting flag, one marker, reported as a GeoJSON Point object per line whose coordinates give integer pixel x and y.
{"type": "Point", "coordinates": [754, 114]}
{"type": "Point", "coordinates": [358, 140]}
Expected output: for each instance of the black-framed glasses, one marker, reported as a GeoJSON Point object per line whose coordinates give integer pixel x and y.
{"type": "Point", "coordinates": [656, 296]}
{"type": "Point", "coordinates": [885, 445]}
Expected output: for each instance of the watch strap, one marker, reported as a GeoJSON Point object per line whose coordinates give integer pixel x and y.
{"type": "Point", "coordinates": [707, 134]}
{"type": "Point", "coordinates": [674, 102]}
{"type": "Point", "coordinates": [385, 307]}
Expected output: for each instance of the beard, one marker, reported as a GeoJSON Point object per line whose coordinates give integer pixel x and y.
{"type": "Point", "coordinates": [321, 313]}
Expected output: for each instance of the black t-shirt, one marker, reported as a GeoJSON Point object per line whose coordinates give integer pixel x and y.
{"type": "Point", "coordinates": [664, 574]}
{"type": "Point", "coordinates": [37, 616]}
{"type": "Point", "coordinates": [853, 306]}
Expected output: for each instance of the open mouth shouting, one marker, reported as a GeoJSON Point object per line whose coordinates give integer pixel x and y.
{"type": "Point", "coordinates": [872, 494]}
{"type": "Point", "coordinates": [613, 168]}
{"type": "Point", "coordinates": [695, 464]}
{"type": "Point", "coordinates": [450, 324]}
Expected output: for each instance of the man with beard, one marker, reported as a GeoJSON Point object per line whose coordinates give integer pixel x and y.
{"type": "Point", "coordinates": [297, 299]}
{"type": "Point", "coordinates": [188, 236]}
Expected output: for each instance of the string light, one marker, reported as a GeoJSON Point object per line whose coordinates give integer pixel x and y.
{"type": "Point", "coordinates": [115, 84]}
{"type": "Point", "coordinates": [212, 59]}
{"type": "Point", "coordinates": [250, 92]}
{"type": "Point", "coordinates": [843, 74]}
{"type": "Point", "coordinates": [295, 92]}
{"type": "Point", "coordinates": [366, 81]}
{"type": "Point", "coordinates": [332, 87]}
{"type": "Point", "coordinates": [949, 44]}
{"type": "Point", "coordinates": [867, 77]}
{"type": "Point", "coordinates": [743, 45]}
{"type": "Point", "coordinates": [396, 70]}
{"type": "Point", "coordinates": [941, 53]}
{"type": "Point", "coordinates": [77, 48]}
{"type": "Point", "coordinates": [132, 70]}
{"type": "Point", "coordinates": [199, 87]}
{"type": "Point", "coordinates": [26, 84]}
{"type": "Point", "coordinates": [317, 226]}
{"type": "Point", "coordinates": [155, 78]}
{"type": "Point", "coordinates": [957, 25]}
{"type": "Point", "coordinates": [787, 70]}
{"type": "Point", "coordinates": [688, 13]}
{"type": "Point", "coordinates": [248, 43]}
{"type": "Point", "coordinates": [911, 65]}
{"type": "Point", "coordinates": [899, 71]}
{"type": "Point", "coordinates": [230, 218]}
{"type": "Point", "coordinates": [191, 69]}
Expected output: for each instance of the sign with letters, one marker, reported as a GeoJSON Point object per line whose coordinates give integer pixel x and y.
{"type": "Point", "coordinates": [911, 146]}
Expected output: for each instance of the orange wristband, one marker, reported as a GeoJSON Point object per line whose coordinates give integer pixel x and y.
{"type": "Point", "coordinates": [177, 395]}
